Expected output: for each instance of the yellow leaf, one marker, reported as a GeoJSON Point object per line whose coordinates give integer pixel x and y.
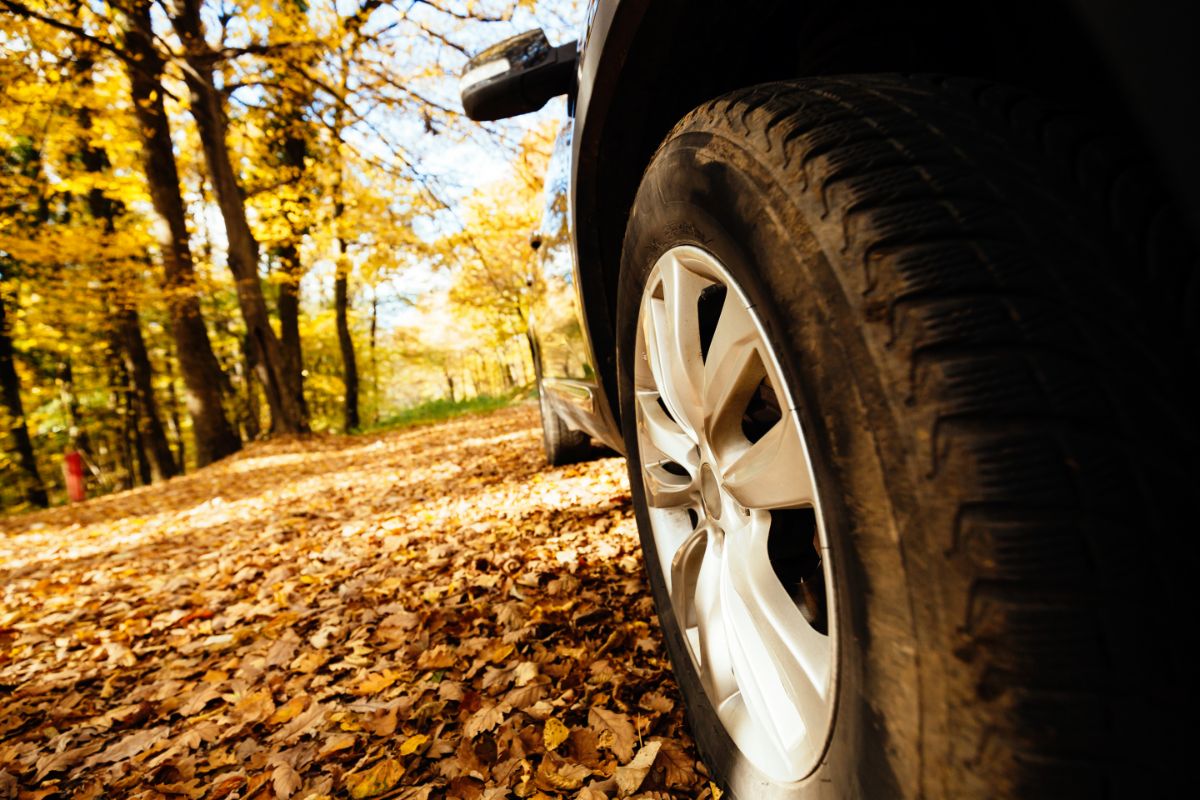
{"type": "Point", "coordinates": [336, 742]}
{"type": "Point", "coordinates": [376, 682]}
{"type": "Point", "coordinates": [412, 744]}
{"type": "Point", "coordinates": [501, 653]}
{"type": "Point", "coordinates": [375, 781]}
{"type": "Point", "coordinates": [287, 711]}
{"type": "Point", "coordinates": [555, 733]}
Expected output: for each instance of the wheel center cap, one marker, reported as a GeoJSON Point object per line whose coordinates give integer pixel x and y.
{"type": "Point", "coordinates": [710, 492]}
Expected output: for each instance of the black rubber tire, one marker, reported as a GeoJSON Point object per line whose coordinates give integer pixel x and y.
{"type": "Point", "coordinates": [562, 444]}
{"type": "Point", "coordinates": [987, 314]}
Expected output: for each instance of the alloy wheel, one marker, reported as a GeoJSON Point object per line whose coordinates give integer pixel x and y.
{"type": "Point", "coordinates": [734, 512]}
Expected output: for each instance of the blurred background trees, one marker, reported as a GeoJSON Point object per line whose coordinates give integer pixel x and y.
{"type": "Point", "coordinates": [226, 219]}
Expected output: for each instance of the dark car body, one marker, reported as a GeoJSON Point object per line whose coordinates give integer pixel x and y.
{"type": "Point", "coordinates": [643, 64]}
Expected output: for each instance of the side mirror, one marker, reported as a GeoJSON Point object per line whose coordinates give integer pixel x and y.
{"type": "Point", "coordinates": [517, 76]}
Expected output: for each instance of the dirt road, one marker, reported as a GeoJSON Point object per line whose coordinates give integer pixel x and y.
{"type": "Point", "coordinates": [426, 613]}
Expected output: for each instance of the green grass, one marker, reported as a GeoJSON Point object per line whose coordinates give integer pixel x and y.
{"type": "Point", "coordinates": [441, 410]}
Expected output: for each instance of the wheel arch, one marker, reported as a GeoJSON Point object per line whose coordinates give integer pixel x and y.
{"type": "Point", "coordinates": [1126, 62]}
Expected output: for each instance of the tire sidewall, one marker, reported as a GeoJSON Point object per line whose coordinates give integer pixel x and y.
{"type": "Point", "coordinates": [727, 207]}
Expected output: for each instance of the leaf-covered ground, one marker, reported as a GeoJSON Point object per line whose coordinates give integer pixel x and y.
{"type": "Point", "coordinates": [429, 613]}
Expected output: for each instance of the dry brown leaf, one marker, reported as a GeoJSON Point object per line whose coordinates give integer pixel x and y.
{"type": "Point", "coordinates": [679, 769]}
{"type": "Point", "coordinates": [629, 778]}
{"type": "Point", "coordinates": [376, 780]}
{"type": "Point", "coordinates": [485, 719]}
{"type": "Point", "coordinates": [439, 657]}
{"type": "Point", "coordinates": [653, 701]}
{"type": "Point", "coordinates": [557, 775]}
{"type": "Point", "coordinates": [336, 743]}
{"type": "Point", "coordinates": [301, 724]}
{"type": "Point", "coordinates": [59, 762]}
{"type": "Point", "coordinates": [615, 731]}
{"type": "Point", "coordinates": [225, 785]}
{"type": "Point", "coordinates": [524, 672]}
{"type": "Point", "coordinates": [130, 746]}
{"type": "Point", "coordinates": [308, 662]}
{"type": "Point", "coordinates": [256, 706]}
{"type": "Point", "coordinates": [198, 700]}
{"type": "Point", "coordinates": [382, 722]}
{"type": "Point", "coordinates": [285, 781]}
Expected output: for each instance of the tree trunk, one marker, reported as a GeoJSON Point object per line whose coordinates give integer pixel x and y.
{"type": "Point", "coordinates": [202, 375]}
{"type": "Point", "coordinates": [283, 386]}
{"type": "Point", "coordinates": [374, 360]}
{"type": "Point", "coordinates": [249, 358]}
{"type": "Point", "coordinates": [10, 384]}
{"type": "Point", "coordinates": [346, 343]}
{"type": "Point", "coordinates": [289, 310]}
{"type": "Point", "coordinates": [144, 471]}
{"type": "Point", "coordinates": [149, 424]}
{"type": "Point", "coordinates": [295, 150]}
{"type": "Point", "coordinates": [118, 382]}
{"type": "Point", "coordinates": [173, 415]}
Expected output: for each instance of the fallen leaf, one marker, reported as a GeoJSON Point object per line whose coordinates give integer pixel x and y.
{"type": "Point", "coordinates": [615, 731]}
{"type": "Point", "coordinates": [412, 744]}
{"type": "Point", "coordinates": [679, 769]}
{"type": "Point", "coordinates": [653, 701]}
{"type": "Point", "coordinates": [376, 780]}
{"type": "Point", "coordinates": [336, 743]}
{"type": "Point", "coordinates": [289, 710]}
{"type": "Point", "coordinates": [629, 778]}
{"type": "Point", "coordinates": [375, 683]}
{"type": "Point", "coordinates": [439, 657]}
{"type": "Point", "coordinates": [130, 746]}
{"type": "Point", "coordinates": [554, 733]}
{"type": "Point", "coordinates": [557, 775]}
{"type": "Point", "coordinates": [285, 781]}
{"type": "Point", "coordinates": [485, 719]}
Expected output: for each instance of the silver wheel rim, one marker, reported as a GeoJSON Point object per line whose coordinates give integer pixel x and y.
{"type": "Point", "coordinates": [734, 512]}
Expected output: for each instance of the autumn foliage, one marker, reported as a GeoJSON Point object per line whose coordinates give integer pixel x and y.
{"type": "Point", "coordinates": [225, 221]}
{"type": "Point", "coordinates": [429, 613]}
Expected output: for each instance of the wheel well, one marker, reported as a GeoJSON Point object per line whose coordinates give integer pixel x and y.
{"type": "Point", "coordinates": [686, 52]}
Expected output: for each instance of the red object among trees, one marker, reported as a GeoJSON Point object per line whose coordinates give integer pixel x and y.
{"type": "Point", "coordinates": [73, 472]}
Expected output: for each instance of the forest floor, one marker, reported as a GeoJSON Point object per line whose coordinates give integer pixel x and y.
{"type": "Point", "coordinates": [422, 613]}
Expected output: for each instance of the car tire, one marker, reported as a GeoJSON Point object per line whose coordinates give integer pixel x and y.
{"type": "Point", "coordinates": [562, 444]}
{"type": "Point", "coordinates": [984, 314]}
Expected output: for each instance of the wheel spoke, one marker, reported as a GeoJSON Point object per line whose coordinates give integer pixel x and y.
{"type": "Point", "coordinates": [676, 360]}
{"type": "Point", "coordinates": [714, 654]}
{"type": "Point", "coordinates": [665, 489]}
{"type": "Point", "coordinates": [665, 433]}
{"type": "Point", "coordinates": [782, 664]}
{"type": "Point", "coordinates": [685, 571]}
{"type": "Point", "coordinates": [732, 370]}
{"type": "Point", "coordinates": [773, 472]}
